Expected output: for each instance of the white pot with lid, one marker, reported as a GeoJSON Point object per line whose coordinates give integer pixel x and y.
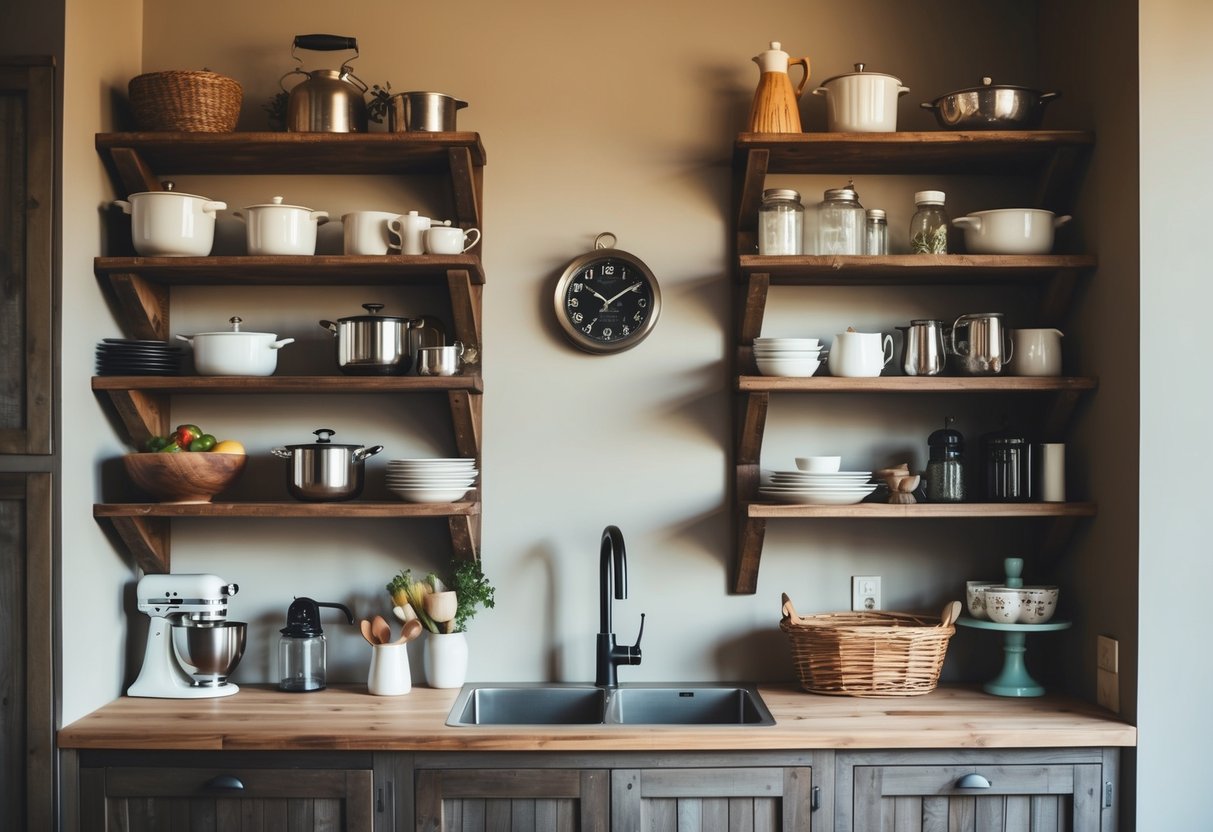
{"type": "Point", "coordinates": [169, 223]}
{"type": "Point", "coordinates": [861, 101]}
{"type": "Point", "coordinates": [235, 353]}
{"type": "Point", "coordinates": [277, 228]}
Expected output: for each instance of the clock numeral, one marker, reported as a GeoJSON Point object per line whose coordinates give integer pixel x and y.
{"type": "Point", "coordinates": [577, 288]}
{"type": "Point", "coordinates": [608, 269]}
{"type": "Point", "coordinates": [607, 332]}
{"type": "Point", "coordinates": [627, 330]}
{"type": "Point", "coordinates": [643, 302]}
{"type": "Point", "coordinates": [638, 318]}
{"type": "Point", "coordinates": [578, 317]}
{"type": "Point", "coordinates": [588, 274]}
{"type": "Point", "coordinates": [574, 303]}
{"type": "Point", "coordinates": [588, 328]}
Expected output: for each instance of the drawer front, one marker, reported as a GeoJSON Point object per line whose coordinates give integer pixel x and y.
{"type": "Point", "coordinates": [975, 798]}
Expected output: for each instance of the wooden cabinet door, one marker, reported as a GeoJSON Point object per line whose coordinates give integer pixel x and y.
{"type": "Point", "coordinates": [975, 798]}
{"type": "Point", "coordinates": [775, 799]}
{"type": "Point", "coordinates": [512, 800]}
{"type": "Point", "coordinates": [225, 800]}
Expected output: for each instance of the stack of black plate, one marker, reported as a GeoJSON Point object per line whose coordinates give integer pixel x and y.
{"type": "Point", "coordinates": [129, 357]}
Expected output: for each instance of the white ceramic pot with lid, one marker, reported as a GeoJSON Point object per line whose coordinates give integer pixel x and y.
{"type": "Point", "coordinates": [277, 228]}
{"type": "Point", "coordinates": [169, 223]}
{"type": "Point", "coordinates": [235, 353]}
{"type": "Point", "coordinates": [861, 101]}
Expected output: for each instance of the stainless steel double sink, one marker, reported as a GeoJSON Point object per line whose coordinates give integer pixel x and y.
{"type": "Point", "coordinates": [631, 704]}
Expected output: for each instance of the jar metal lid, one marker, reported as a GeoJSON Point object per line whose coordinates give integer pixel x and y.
{"type": "Point", "coordinates": [780, 193]}
{"type": "Point", "coordinates": [876, 214]}
{"type": "Point", "coordinates": [842, 195]}
{"type": "Point", "coordinates": [929, 198]}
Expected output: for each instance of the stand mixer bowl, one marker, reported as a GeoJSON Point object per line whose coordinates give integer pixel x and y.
{"type": "Point", "coordinates": [209, 650]}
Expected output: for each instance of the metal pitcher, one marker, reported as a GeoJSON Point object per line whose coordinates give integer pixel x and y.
{"type": "Point", "coordinates": [986, 346]}
{"type": "Point", "coordinates": [330, 100]}
{"type": "Point", "coordinates": [922, 352]}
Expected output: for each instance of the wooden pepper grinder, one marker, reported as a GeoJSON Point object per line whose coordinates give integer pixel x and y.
{"type": "Point", "coordinates": [776, 104]}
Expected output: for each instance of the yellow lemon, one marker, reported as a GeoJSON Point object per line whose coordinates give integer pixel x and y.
{"type": "Point", "coordinates": [228, 446]}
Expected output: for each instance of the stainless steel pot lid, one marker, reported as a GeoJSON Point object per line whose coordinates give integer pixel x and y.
{"type": "Point", "coordinates": [987, 83]}
{"type": "Point", "coordinates": [859, 70]}
{"type": "Point", "coordinates": [373, 315]}
{"type": "Point", "coordinates": [324, 440]}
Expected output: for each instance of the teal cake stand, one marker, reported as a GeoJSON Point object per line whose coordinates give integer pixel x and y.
{"type": "Point", "coordinates": [1014, 679]}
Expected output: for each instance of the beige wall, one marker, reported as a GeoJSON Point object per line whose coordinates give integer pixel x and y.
{"type": "Point", "coordinates": [593, 121]}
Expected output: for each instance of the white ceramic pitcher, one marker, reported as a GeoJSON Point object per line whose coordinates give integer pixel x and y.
{"type": "Point", "coordinates": [860, 354]}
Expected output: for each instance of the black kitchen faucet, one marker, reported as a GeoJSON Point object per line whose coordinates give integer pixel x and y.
{"type": "Point", "coordinates": [611, 655]}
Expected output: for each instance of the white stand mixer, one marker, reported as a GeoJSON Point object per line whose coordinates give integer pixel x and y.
{"type": "Point", "coordinates": [191, 646]}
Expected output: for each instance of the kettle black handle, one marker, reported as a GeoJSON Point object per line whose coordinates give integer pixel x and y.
{"type": "Point", "coordinates": [325, 43]}
{"type": "Point", "coordinates": [336, 606]}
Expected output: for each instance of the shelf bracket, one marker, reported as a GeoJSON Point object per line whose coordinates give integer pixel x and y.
{"type": "Point", "coordinates": [465, 306]}
{"type": "Point", "coordinates": [751, 426]}
{"type": "Point", "coordinates": [133, 173]}
{"type": "Point", "coordinates": [143, 304]}
{"type": "Point", "coordinates": [465, 536]}
{"type": "Point", "coordinates": [749, 197]}
{"type": "Point", "coordinates": [753, 306]}
{"type": "Point", "coordinates": [465, 416]}
{"type": "Point", "coordinates": [751, 534]}
{"type": "Point", "coordinates": [147, 539]}
{"type": "Point", "coordinates": [143, 414]}
{"type": "Point", "coordinates": [466, 182]}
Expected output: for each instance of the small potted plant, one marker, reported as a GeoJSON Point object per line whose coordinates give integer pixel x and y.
{"type": "Point", "coordinates": [444, 609]}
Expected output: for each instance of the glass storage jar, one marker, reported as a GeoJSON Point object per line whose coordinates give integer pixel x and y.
{"type": "Point", "coordinates": [840, 222]}
{"type": "Point", "coordinates": [945, 467]}
{"type": "Point", "coordinates": [929, 227]}
{"type": "Point", "coordinates": [877, 237]}
{"type": "Point", "coordinates": [780, 222]}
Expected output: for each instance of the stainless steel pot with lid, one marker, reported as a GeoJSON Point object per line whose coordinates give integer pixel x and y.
{"type": "Point", "coordinates": [373, 344]}
{"type": "Point", "coordinates": [329, 100]}
{"type": "Point", "coordinates": [991, 107]}
{"type": "Point", "coordinates": [323, 471]}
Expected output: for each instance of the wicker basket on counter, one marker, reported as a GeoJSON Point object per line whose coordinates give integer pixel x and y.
{"type": "Point", "coordinates": [868, 654]}
{"type": "Point", "coordinates": [186, 101]}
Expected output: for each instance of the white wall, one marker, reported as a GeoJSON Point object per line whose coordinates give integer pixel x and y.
{"type": "Point", "coordinates": [1175, 674]}
{"type": "Point", "coordinates": [593, 121]}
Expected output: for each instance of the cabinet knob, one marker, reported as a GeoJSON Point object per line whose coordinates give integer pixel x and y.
{"type": "Point", "coordinates": [224, 783]}
{"type": "Point", "coordinates": [973, 780]}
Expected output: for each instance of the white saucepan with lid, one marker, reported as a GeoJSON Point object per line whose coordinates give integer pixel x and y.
{"type": "Point", "coordinates": [277, 228]}
{"type": "Point", "coordinates": [169, 223]}
{"type": "Point", "coordinates": [235, 352]}
{"type": "Point", "coordinates": [861, 101]}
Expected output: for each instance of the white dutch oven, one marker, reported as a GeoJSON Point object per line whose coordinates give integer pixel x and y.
{"type": "Point", "coordinates": [1010, 230]}
{"type": "Point", "coordinates": [235, 353]}
{"type": "Point", "coordinates": [171, 224]}
{"type": "Point", "coordinates": [861, 102]}
{"type": "Point", "coordinates": [275, 228]}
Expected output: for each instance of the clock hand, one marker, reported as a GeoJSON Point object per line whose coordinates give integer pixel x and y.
{"type": "Point", "coordinates": [631, 288]}
{"type": "Point", "coordinates": [600, 297]}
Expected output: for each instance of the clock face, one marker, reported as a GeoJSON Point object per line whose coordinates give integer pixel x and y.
{"type": "Point", "coordinates": [607, 302]}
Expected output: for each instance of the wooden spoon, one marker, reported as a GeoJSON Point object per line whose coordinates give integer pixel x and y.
{"type": "Point", "coordinates": [410, 631]}
{"type": "Point", "coordinates": [951, 612]}
{"type": "Point", "coordinates": [366, 632]}
{"type": "Point", "coordinates": [381, 630]}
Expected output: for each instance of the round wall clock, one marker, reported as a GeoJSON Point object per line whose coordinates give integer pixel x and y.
{"type": "Point", "coordinates": [607, 300]}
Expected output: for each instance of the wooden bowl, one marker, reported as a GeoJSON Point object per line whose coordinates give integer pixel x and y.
{"type": "Point", "coordinates": [183, 477]}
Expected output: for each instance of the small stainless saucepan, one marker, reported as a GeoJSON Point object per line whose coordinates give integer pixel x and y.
{"type": "Point", "coordinates": [373, 344]}
{"type": "Point", "coordinates": [323, 471]}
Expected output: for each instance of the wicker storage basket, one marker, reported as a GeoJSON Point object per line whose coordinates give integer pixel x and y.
{"type": "Point", "coordinates": [186, 101]}
{"type": "Point", "coordinates": [868, 653]}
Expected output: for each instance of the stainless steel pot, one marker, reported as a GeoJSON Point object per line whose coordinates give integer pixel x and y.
{"type": "Point", "coordinates": [330, 100]}
{"type": "Point", "coordinates": [324, 472]}
{"type": "Point", "coordinates": [373, 344]}
{"type": "Point", "coordinates": [991, 107]}
{"type": "Point", "coordinates": [985, 345]}
{"type": "Point", "coordinates": [432, 112]}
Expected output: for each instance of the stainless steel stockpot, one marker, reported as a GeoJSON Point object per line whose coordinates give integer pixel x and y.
{"type": "Point", "coordinates": [432, 112]}
{"type": "Point", "coordinates": [991, 107]}
{"type": "Point", "coordinates": [323, 471]}
{"type": "Point", "coordinates": [373, 344]}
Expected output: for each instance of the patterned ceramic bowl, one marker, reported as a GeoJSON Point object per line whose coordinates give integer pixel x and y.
{"type": "Point", "coordinates": [1037, 604]}
{"type": "Point", "coordinates": [975, 597]}
{"type": "Point", "coordinates": [1003, 604]}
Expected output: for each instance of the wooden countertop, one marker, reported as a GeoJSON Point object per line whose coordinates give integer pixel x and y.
{"type": "Point", "coordinates": [348, 719]}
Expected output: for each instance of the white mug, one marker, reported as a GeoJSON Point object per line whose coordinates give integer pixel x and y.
{"type": "Point", "coordinates": [450, 240]}
{"type": "Point", "coordinates": [860, 354]}
{"type": "Point", "coordinates": [366, 232]}
{"type": "Point", "coordinates": [1037, 352]}
{"type": "Point", "coordinates": [410, 228]}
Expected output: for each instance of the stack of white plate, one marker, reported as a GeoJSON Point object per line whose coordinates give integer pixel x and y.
{"type": "Point", "coordinates": [838, 488]}
{"type": "Point", "coordinates": [787, 356]}
{"type": "Point", "coordinates": [431, 480]}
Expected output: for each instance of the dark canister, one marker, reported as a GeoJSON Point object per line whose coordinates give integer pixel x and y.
{"type": "Point", "coordinates": [945, 467]}
{"type": "Point", "coordinates": [302, 659]}
{"type": "Point", "coordinates": [1008, 469]}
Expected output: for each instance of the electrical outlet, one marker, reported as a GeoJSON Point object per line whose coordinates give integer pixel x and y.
{"type": "Point", "coordinates": [1107, 654]}
{"type": "Point", "coordinates": [1107, 690]}
{"type": "Point", "coordinates": [865, 592]}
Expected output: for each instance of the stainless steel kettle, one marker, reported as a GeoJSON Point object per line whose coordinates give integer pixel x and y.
{"type": "Point", "coordinates": [922, 351]}
{"type": "Point", "coordinates": [330, 100]}
{"type": "Point", "coordinates": [985, 346]}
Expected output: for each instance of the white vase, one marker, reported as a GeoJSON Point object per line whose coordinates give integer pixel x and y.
{"type": "Point", "coordinates": [445, 657]}
{"type": "Point", "coordinates": [390, 674]}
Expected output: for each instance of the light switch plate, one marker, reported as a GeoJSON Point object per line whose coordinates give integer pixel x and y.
{"type": "Point", "coordinates": [865, 592]}
{"type": "Point", "coordinates": [1107, 654]}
